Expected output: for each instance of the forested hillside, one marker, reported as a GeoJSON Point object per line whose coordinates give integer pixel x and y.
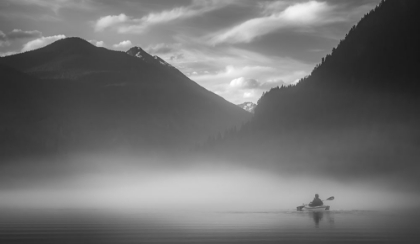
{"type": "Point", "coordinates": [356, 114]}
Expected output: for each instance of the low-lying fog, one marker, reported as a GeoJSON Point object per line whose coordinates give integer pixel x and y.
{"type": "Point", "coordinates": [150, 184]}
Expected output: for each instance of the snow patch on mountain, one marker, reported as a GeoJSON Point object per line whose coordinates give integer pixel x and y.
{"type": "Point", "coordinates": [247, 106]}
{"type": "Point", "coordinates": [143, 55]}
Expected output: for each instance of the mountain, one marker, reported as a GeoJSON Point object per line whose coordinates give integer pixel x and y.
{"type": "Point", "coordinates": [248, 106]}
{"type": "Point", "coordinates": [144, 56]}
{"type": "Point", "coordinates": [372, 74]}
{"type": "Point", "coordinates": [74, 96]}
{"type": "Point", "coordinates": [356, 115]}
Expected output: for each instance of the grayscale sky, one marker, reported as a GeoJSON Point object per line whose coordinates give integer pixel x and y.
{"type": "Point", "coordinates": [237, 49]}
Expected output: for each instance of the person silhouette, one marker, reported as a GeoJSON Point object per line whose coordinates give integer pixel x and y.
{"type": "Point", "coordinates": [316, 201]}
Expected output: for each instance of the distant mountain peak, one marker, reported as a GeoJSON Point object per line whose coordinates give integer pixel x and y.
{"type": "Point", "coordinates": [248, 106]}
{"type": "Point", "coordinates": [71, 40]}
{"type": "Point", "coordinates": [143, 55]}
{"type": "Point", "coordinates": [135, 48]}
{"type": "Point", "coordinates": [139, 53]}
{"type": "Point", "coordinates": [73, 43]}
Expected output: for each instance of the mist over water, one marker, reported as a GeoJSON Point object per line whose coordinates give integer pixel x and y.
{"type": "Point", "coordinates": [162, 184]}
{"type": "Point", "coordinates": [122, 198]}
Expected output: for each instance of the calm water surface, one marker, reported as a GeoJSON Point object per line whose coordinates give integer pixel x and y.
{"type": "Point", "coordinates": [98, 226]}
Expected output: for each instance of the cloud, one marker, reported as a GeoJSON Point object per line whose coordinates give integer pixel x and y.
{"type": "Point", "coordinates": [250, 89]}
{"type": "Point", "coordinates": [298, 15]}
{"type": "Point", "coordinates": [243, 83]}
{"type": "Point", "coordinates": [123, 44]}
{"type": "Point", "coordinates": [109, 21]}
{"type": "Point", "coordinates": [97, 43]}
{"type": "Point", "coordinates": [178, 56]}
{"type": "Point", "coordinates": [249, 94]}
{"type": "Point", "coordinates": [163, 48]}
{"type": "Point", "coordinates": [125, 24]}
{"type": "Point", "coordinates": [7, 53]}
{"type": "Point", "coordinates": [309, 13]}
{"type": "Point", "coordinates": [100, 44]}
{"type": "Point", "coordinates": [140, 25]}
{"type": "Point", "coordinates": [270, 83]}
{"type": "Point", "coordinates": [272, 7]}
{"type": "Point", "coordinates": [54, 5]}
{"type": "Point", "coordinates": [41, 42]}
{"type": "Point", "coordinates": [231, 71]}
{"type": "Point", "coordinates": [3, 39]}
{"type": "Point", "coordinates": [252, 73]}
{"type": "Point", "coordinates": [18, 34]}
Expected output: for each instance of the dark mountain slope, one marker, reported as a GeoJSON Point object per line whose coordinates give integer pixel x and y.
{"type": "Point", "coordinates": [358, 113]}
{"type": "Point", "coordinates": [24, 102]}
{"type": "Point", "coordinates": [376, 64]}
{"type": "Point", "coordinates": [382, 48]}
{"type": "Point", "coordinates": [86, 98]}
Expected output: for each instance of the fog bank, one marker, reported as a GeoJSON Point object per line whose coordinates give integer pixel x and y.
{"type": "Point", "coordinates": [93, 181]}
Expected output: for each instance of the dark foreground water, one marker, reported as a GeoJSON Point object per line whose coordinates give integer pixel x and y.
{"type": "Point", "coordinates": [98, 226]}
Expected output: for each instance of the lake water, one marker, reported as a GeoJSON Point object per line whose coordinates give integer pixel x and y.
{"type": "Point", "coordinates": [99, 226]}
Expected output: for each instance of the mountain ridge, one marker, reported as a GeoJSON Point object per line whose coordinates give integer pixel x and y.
{"type": "Point", "coordinates": [91, 98]}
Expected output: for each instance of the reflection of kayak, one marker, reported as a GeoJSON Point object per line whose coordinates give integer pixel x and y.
{"type": "Point", "coordinates": [316, 208]}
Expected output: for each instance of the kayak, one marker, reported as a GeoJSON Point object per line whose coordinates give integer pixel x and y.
{"type": "Point", "coordinates": [316, 208]}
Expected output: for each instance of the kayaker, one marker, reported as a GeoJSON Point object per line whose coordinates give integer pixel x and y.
{"type": "Point", "coordinates": [316, 201]}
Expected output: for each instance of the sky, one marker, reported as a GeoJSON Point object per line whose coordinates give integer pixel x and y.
{"type": "Point", "coordinates": [237, 49]}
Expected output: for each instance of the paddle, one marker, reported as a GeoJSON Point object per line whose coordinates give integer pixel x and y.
{"type": "Point", "coordinates": [299, 208]}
